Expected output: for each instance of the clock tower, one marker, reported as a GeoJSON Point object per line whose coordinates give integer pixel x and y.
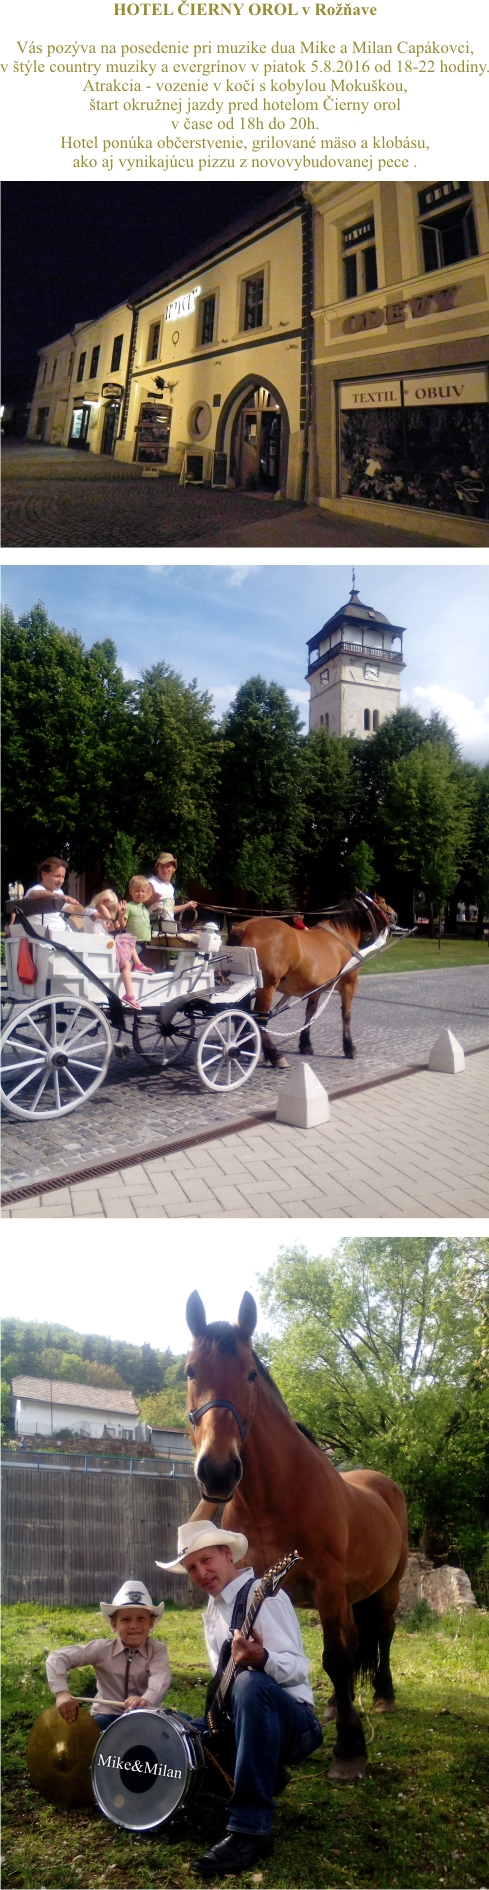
{"type": "Point", "coordinates": [354, 670]}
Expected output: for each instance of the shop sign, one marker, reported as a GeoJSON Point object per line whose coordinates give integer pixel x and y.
{"type": "Point", "coordinates": [112, 390]}
{"type": "Point", "coordinates": [419, 305]}
{"type": "Point", "coordinates": [184, 305]}
{"type": "Point", "coordinates": [360, 395]}
{"type": "Point", "coordinates": [445, 389]}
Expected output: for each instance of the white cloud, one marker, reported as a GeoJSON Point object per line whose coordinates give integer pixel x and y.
{"type": "Point", "coordinates": [238, 575]}
{"type": "Point", "coordinates": [469, 720]}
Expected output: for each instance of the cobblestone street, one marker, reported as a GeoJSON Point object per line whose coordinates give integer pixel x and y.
{"type": "Point", "coordinates": [55, 497]}
{"type": "Point", "coordinates": [396, 1019]}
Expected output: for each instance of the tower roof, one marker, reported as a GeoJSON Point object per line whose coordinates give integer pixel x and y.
{"type": "Point", "coordinates": [353, 613]}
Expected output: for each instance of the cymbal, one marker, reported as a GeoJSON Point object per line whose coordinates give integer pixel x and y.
{"type": "Point", "coordinates": [59, 1756]}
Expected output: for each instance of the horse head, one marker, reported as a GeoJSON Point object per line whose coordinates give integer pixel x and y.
{"type": "Point", "coordinates": [378, 913]}
{"type": "Point", "coordinates": [221, 1373]}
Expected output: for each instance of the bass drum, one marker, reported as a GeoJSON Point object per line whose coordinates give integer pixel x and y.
{"type": "Point", "coordinates": [147, 1765]}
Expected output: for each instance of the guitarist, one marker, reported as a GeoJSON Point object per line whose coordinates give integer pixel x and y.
{"type": "Point", "coordinates": [271, 1701]}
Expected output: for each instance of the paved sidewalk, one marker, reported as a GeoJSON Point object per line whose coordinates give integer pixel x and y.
{"type": "Point", "coordinates": [415, 1147]}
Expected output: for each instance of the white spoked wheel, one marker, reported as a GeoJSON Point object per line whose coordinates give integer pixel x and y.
{"type": "Point", "coordinates": [228, 1050]}
{"type": "Point", "coordinates": [164, 1043]}
{"type": "Point", "coordinates": [54, 1055]}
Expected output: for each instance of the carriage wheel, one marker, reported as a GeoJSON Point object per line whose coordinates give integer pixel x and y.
{"type": "Point", "coordinates": [228, 1051]}
{"type": "Point", "coordinates": [164, 1043]}
{"type": "Point", "coordinates": [54, 1056]}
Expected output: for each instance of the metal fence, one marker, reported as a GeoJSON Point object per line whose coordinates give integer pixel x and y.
{"type": "Point", "coordinates": [72, 1534]}
{"type": "Point", "coordinates": [160, 1466]}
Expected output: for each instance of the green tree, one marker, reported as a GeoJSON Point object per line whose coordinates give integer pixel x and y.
{"type": "Point", "coordinates": [382, 1350]}
{"type": "Point", "coordinates": [65, 721]}
{"type": "Point", "coordinates": [260, 806]}
{"type": "Point", "coordinates": [427, 813]}
{"type": "Point", "coordinates": [328, 810]}
{"type": "Point", "coordinates": [176, 756]}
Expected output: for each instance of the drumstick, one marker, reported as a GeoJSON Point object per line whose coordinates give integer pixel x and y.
{"type": "Point", "coordinates": [95, 1699]}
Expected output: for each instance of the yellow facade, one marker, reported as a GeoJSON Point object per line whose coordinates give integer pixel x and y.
{"type": "Point", "coordinates": [401, 321]}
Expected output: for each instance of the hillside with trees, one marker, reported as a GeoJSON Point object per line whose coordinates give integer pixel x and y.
{"type": "Point", "coordinates": [51, 1351]}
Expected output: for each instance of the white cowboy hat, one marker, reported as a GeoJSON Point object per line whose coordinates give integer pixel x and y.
{"type": "Point", "coordinates": [193, 1536]}
{"type": "Point", "coordinates": [133, 1594]}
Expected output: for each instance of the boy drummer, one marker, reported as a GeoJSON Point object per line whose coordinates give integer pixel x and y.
{"type": "Point", "coordinates": [132, 1670]}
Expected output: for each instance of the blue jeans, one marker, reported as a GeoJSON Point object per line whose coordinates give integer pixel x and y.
{"type": "Point", "coordinates": [272, 1729]}
{"type": "Point", "coordinates": [105, 1719]}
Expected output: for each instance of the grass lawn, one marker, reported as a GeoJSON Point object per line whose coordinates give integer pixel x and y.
{"type": "Point", "coordinates": [421, 1818]}
{"type": "Point", "coordinates": [424, 954]}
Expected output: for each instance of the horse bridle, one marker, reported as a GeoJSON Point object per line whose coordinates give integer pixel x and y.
{"type": "Point", "coordinates": [220, 1404]}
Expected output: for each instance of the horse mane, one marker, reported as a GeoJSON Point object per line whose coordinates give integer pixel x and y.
{"type": "Point", "coordinates": [350, 911]}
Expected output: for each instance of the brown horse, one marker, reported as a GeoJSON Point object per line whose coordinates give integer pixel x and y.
{"type": "Point", "coordinates": [283, 1493]}
{"type": "Point", "coordinates": [297, 962]}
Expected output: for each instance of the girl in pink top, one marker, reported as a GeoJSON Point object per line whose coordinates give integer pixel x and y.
{"type": "Point", "coordinates": [110, 912]}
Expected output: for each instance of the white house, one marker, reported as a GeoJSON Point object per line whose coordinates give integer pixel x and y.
{"type": "Point", "coordinates": [44, 1406]}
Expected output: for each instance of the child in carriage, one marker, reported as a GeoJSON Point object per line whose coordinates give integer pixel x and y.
{"type": "Point", "coordinates": [108, 914]}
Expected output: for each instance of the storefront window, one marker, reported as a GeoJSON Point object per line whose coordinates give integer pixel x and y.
{"type": "Point", "coordinates": [153, 434]}
{"type": "Point", "coordinates": [422, 441]}
{"type": "Point", "coordinates": [359, 258]}
{"type": "Point", "coordinates": [448, 232]}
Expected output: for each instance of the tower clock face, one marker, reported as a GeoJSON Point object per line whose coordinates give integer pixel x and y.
{"type": "Point", "coordinates": [371, 672]}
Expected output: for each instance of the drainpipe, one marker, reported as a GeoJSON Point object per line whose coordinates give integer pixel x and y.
{"type": "Point", "coordinates": [306, 361]}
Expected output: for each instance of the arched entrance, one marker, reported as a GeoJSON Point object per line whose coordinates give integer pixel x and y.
{"type": "Point", "coordinates": [253, 430]}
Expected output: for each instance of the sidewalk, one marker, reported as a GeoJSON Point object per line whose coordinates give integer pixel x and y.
{"type": "Point", "coordinates": [414, 1147]}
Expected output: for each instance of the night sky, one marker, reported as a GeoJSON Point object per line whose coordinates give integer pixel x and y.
{"type": "Point", "coordinates": [70, 251]}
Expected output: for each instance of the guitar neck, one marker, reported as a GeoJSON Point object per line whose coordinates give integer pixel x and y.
{"type": "Point", "coordinates": [230, 1670]}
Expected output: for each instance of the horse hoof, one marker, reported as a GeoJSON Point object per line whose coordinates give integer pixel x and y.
{"type": "Point", "coordinates": [331, 1710]}
{"type": "Point", "coordinates": [348, 1771]}
{"type": "Point", "coordinates": [383, 1706]}
{"type": "Point", "coordinates": [349, 1049]}
{"type": "Point", "coordinates": [281, 1064]}
{"type": "Point", "coordinates": [305, 1048]}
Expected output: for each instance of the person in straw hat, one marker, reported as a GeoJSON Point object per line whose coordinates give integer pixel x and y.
{"type": "Point", "coordinates": [163, 891]}
{"type": "Point", "coordinates": [131, 1670]}
{"type": "Point", "coordinates": [272, 1704]}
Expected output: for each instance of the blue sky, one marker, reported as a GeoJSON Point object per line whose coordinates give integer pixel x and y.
{"type": "Point", "coordinates": [222, 623]}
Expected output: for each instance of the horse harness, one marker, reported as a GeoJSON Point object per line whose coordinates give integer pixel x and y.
{"type": "Point", "coordinates": [222, 1404]}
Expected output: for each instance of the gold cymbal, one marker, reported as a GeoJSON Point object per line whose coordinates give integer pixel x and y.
{"type": "Point", "coordinates": [59, 1756]}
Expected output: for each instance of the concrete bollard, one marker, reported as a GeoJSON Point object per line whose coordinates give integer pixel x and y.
{"type": "Point", "coordinates": [447, 1054]}
{"type": "Point", "coordinates": [303, 1102]}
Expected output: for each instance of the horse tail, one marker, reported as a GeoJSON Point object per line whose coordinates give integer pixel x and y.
{"type": "Point", "coordinates": [367, 1618]}
{"type": "Point", "coordinates": [235, 936]}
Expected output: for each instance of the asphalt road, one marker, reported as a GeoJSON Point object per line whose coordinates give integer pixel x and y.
{"type": "Point", "coordinates": [396, 1018]}
{"type": "Point", "coordinates": [52, 496]}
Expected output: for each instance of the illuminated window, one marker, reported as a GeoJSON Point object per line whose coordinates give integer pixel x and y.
{"type": "Point", "coordinates": [116, 353]}
{"type": "Point", "coordinates": [81, 367]}
{"type": "Point", "coordinates": [94, 363]}
{"type": "Point", "coordinates": [366, 718]}
{"type": "Point", "coordinates": [447, 224]}
{"type": "Point", "coordinates": [359, 258]}
{"type": "Point", "coordinates": [153, 342]}
{"type": "Point", "coordinates": [252, 299]}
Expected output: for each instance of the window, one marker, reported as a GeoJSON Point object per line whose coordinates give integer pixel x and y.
{"type": "Point", "coordinates": [70, 364]}
{"type": "Point", "coordinates": [447, 224]}
{"type": "Point", "coordinates": [81, 367]}
{"type": "Point", "coordinates": [44, 372]}
{"type": "Point", "coordinates": [54, 366]}
{"type": "Point", "coordinates": [375, 719]}
{"type": "Point", "coordinates": [207, 316]}
{"type": "Point", "coordinates": [366, 718]}
{"type": "Point", "coordinates": [116, 353]}
{"type": "Point", "coordinates": [324, 720]}
{"type": "Point", "coordinates": [153, 342]}
{"type": "Point", "coordinates": [359, 258]}
{"type": "Point", "coordinates": [94, 363]}
{"type": "Point", "coordinates": [253, 289]}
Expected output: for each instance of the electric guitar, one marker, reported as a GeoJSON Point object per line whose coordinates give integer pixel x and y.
{"type": "Point", "coordinates": [217, 1709]}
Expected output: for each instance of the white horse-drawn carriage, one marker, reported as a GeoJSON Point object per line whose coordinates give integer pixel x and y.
{"type": "Point", "coordinates": [65, 1017]}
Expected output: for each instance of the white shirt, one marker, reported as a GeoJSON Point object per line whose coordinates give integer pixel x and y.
{"type": "Point", "coordinates": [149, 1672]}
{"type": "Point", "coordinates": [54, 920]}
{"type": "Point", "coordinates": [278, 1626]}
{"type": "Point", "coordinates": [165, 891]}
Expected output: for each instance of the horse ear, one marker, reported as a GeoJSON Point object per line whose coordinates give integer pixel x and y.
{"type": "Point", "coordinates": [196, 1318]}
{"type": "Point", "coordinates": [247, 1316]}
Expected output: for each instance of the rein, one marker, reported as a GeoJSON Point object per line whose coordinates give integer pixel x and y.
{"type": "Point", "coordinates": [220, 1404]}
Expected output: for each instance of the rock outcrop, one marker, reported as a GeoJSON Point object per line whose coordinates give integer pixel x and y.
{"type": "Point", "coordinates": [441, 1588]}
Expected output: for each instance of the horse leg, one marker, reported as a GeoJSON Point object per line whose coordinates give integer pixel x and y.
{"type": "Point", "coordinates": [264, 1000]}
{"type": "Point", "coordinates": [305, 1045]}
{"type": "Point", "coordinates": [350, 1752]}
{"type": "Point", "coordinates": [384, 1699]}
{"type": "Point", "coordinates": [348, 988]}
